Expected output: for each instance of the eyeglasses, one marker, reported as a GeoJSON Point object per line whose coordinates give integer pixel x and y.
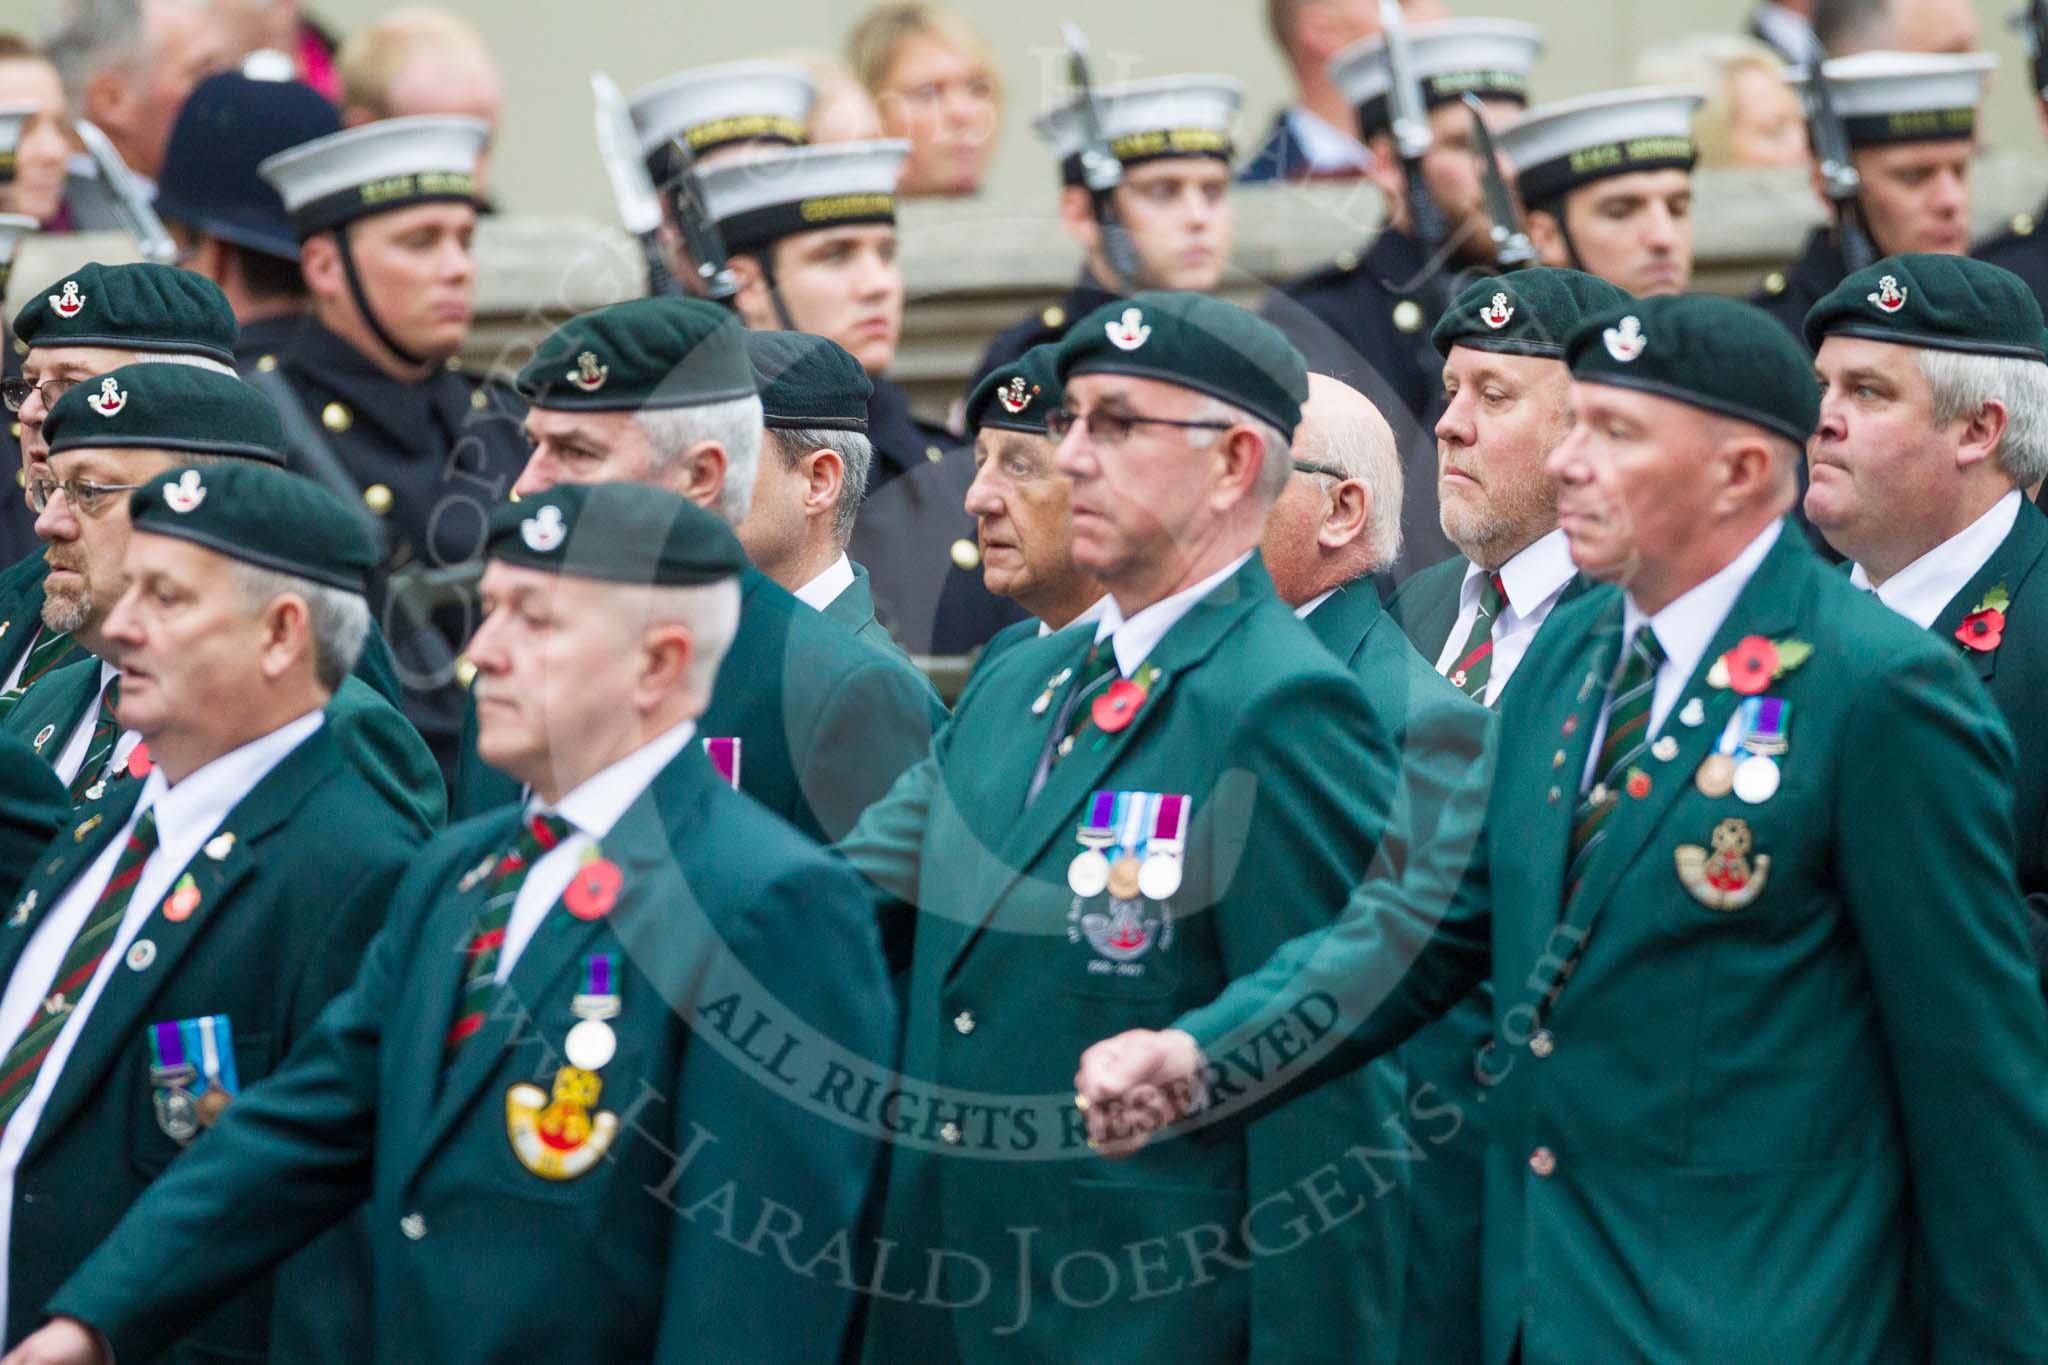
{"type": "Point", "coordinates": [15, 390]}
{"type": "Point", "coordinates": [84, 498]}
{"type": "Point", "coordinates": [1114, 428]}
{"type": "Point", "coordinates": [1328, 471]}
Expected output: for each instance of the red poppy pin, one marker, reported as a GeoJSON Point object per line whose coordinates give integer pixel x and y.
{"type": "Point", "coordinates": [139, 761]}
{"type": "Point", "coordinates": [595, 890]}
{"type": "Point", "coordinates": [1984, 627]}
{"type": "Point", "coordinates": [1638, 783]}
{"type": "Point", "coordinates": [1116, 707]}
{"type": "Point", "coordinates": [1755, 662]}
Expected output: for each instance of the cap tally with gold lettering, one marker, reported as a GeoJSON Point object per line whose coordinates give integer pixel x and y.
{"type": "Point", "coordinates": [710, 108]}
{"type": "Point", "coordinates": [1487, 58]}
{"type": "Point", "coordinates": [1149, 119]}
{"type": "Point", "coordinates": [771, 194]}
{"type": "Point", "coordinates": [1559, 147]}
{"type": "Point", "coordinates": [1890, 97]}
{"type": "Point", "coordinates": [390, 164]}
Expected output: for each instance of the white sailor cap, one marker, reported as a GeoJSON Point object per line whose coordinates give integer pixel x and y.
{"type": "Point", "coordinates": [1145, 120]}
{"type": "Point", "coordinates": [1887, 97]}
{"type": "Point", "coordinates": [709, 107]}
{"type": "Point", "coordinates": [13, 118]}
{"type": "Point", "coordinates": [1559, 147]}
{"type": "Point", "coordinates": [390, 164]}
{"type": "Point", "coordinates": [764, 196]}
{"type": "Point", "coordinates": [1489, 58]}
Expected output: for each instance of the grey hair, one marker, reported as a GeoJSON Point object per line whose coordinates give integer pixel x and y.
{"type": "Point", "coordinates": [711, 611]}
{"type": "Point", "coordinates": [197, 362]}
{"type": "Point", "coordinates": [338, 620]}
{"type": "Point", "coordinates": [1278, 462]}
{"type": "Point", "coordinates": [856, 455]}
{"type": "Point", "coordinates": [1365, 453]}
{"type": "Point", "coordinates": [1964, 383]}
{"type": "Point", "coordinates": [734, 424]}
{"type": "Point", "coordinates": [87, 37]}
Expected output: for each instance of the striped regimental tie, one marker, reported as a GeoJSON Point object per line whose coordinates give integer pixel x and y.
{"type": "Point", "coordinates": [1475, 661]}
{"type": "Point", "coordinates": [1628, 734]}
{"type": "Point", "coordinates": [18, 1070]}
{"type": "Point", "coordinates": [487, 938]}
{"type": "Point", "coordinates": [49, 651]}
{"type": "Point", "coordinates": [106, 730]}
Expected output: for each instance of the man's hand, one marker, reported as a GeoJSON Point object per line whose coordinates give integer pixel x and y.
{"type": "Point", "coordinates": [1134, 1084]}
{"type": "Point", "coordinates": [62, 1341]}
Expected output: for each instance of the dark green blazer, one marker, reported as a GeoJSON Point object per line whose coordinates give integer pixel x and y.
{"type": "Point", "coordinates": [854, 608]}
{"type": "Point", "coordinates": [1289, 774]}
{"type": "Point", "coordinates": [825, 722]}
{"type": "Point", "coordinates": [1806, 1128]}
{"type": "Point", "coordinates": [1413, 1286]}
{"type": "Point", "coordinates": [258, 950]}
{"type": "Point", "coordinates": [374, 734]}
{"type": "Point", "coordinates": [2016, 673]}
{"type": "Point", "coordinates": [644, 1257]}
{"type": "Point", "coordinates": [33, 807]}
{"type": "Point", "coordinates": [1426, 605]}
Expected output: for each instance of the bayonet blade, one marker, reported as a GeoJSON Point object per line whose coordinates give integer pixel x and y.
{"type": "Point", "coordinates": [131, 201]}
{"type": "Point", "coordinates": [1512, 248]}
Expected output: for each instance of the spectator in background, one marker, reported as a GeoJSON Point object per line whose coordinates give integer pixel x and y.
{"type": "Point", "coordinates": [280, 26]}
{"type": "Point", "coordinates": [1751, 118]}
{"type": "Point", "coordinates": [127, 65]}
{"type": "Point", "coordinates": [1845, 27]}
{"type": "Point", "coordinates": [421, 60]}
{"type": "Point", "coordinates": [933, 82]}
{"type": "Point", "coordinates": [27, 78]}
{"type": "Point", "coordinates": [1317, 137]}
{"type": "Point", "coordinates": [842, 111]}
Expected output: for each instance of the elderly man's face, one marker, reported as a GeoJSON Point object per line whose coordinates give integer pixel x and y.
{"type": "Point", "coordinates": [1877, 458]}
{"type": "Point", "coordinates": [584, 447]}
{"type": "Point", "coordinates": [52, 370]}
{"type": "Point", "coordinates": [1022, 519]}
{"type": "Point", "coordinates": [186, 45]}
{"type": "Point", "coordinates": [85, 543]}
{"type": "Point", "coordinates": [1504, 415]}
{"type": "Point", "coordinates": [1629, 487]}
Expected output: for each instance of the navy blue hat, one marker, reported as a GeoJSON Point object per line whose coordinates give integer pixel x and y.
{"type": "Point", "coordinates": [226, 126]}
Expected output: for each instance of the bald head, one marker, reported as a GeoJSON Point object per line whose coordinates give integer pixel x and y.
{"type": "Point", "coordinates": [1341, 520]}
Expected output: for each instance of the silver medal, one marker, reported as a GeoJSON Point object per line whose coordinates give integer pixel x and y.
{"type": "Point", "coordinates": [1756, 779]}
{"type": "Point", "coordinates": [1159, 878]}
{"type": "Point", "coordinates": [590, 1045]}
{"type": "Point", "coordinates": [1088, 874]}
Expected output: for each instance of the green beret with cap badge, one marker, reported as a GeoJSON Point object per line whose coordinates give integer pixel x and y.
{"type": "Point", "coordinates": [1017, 396]}
{"type": "Point", "coordinates": [644, 353]}
{"type": "Point", "coordinates": [1944, 303]}
{"type": "Point", "coordinates": [263, 516]}
{"type": "Point", "coordinates": [1196, 341]}
{"type": "Point", "coordinates": [1529, 312]}
{"type": "Point", "coordinates": [141, 307]}
{"type": "Point", "coordinates": [808, 382]}
{"type": "Point", "coordinates": [1708, 352]}
{"type": "Point", "coordinates": [156, 406]}
{"type": "Point", "coordinates": [619, 532]}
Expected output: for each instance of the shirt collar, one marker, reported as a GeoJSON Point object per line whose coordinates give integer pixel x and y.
{"type": "Point", "coordinates": [1920, 591]}
{"type": "Point", "coordinates": [1687, 624]}
{"type": "Point", "coordinates": [819, 593]}
{"type": "Point", "coordinates": [1301, 613]}
{"type": "Point", "coordinates": [1324, 146]}
{"type": "Point", "coordinates": [1089, 614]}
{"type": "Point", "coordinates": [1135, 637]}
{"type": "Point", "coordinates": [1535, 574]}
{"type": "Point", "coordinates": [598, 801]}
{"type": "Point", "coordinates": [206, 795]}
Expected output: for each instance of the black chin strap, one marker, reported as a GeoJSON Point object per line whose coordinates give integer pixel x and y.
{"type": "Point", "coordinates": [355, 289]}
{"type": "Point", "coordinates": [766, 262]}
{"type": "Point", "coordinates": [1564, 230]}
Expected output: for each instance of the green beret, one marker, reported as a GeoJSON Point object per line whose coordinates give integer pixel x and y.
{"type": "Point", "coordinates": [620, 532]}
{"type": "Point", "coordinates": [156, 406]}
{"type": "Point", "coordinates": [1524, 312]}
{"type": "Point", "coordinates": [1198, 342]}
{"type": "Point", "coordinates": [132, 308]}
{"type": "Point", "coordinates": [1713, 353]}
{"type": "Point", "coordinates": [261, 516]}
{"type": "Point", "coordinates": [645, 353]}
{"type": "Point", "coordinates": [1017, 396]}
{"type": "Point", "coordinates": [808, 382]}
{"type": "Point", "coordinates": [1947, 303]}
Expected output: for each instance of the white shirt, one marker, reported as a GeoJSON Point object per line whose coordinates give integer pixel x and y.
{"type": "Point", "coordinates": [21, 664]}
{"type": "Point", "coordinates": [1919, 591]}
{"type": "Point", "coordinates": [1135, 638]}
{"type": "Point", "coordinates": [1301, 613]}
{"type": "Point", "coordinates": [820, 591]}
{"type": "Point", "coordinates": [1089, 614]}
{"type": "Point", "coordinates": [593, 807]}
{"type": "Point", "coordinates": [1535, 578]}
{"type": "Point", "coordinates": [1325, 146]}
{"type": "Point", "coordinates": [73, 756]}
{"type": "Point", "coordinates": [186, 817]}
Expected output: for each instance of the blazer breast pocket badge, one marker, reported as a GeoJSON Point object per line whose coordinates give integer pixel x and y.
{"type": "Point", "coordinates": [559, 1134]}
{"type": "Point", "coordinates": [191, 1074]}
{"type": "Point", "coordinates": [1131, 847]}
{"type": "Point", "coordinates": [1724, 878]}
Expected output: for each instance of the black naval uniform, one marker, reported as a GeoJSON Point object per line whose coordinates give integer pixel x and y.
{"type": "Point", "coordinates": [1789, 294]}
{"type": "Point", "coordinates": [1354, 322]}
{"type": "Point", "coordinates": [262, 339]}
{"type": "Point", "coordinates": [17, 523]}
{"type": "Point", "coordinates": [429, 459]}
{"type": "Point", "coordinates": [2023, 250]}
{"type": "Point", "coordinates": [1049, 324]}
{"type": "Point", "coordinates": [916, 539]}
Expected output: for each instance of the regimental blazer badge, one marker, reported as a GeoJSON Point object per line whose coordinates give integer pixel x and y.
{"type": "Point", "coordinates": [1726, 879]}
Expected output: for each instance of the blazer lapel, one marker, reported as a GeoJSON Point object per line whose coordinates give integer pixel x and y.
{"type": "Point", "coordinates": [217, 870]}
{"type": "Point", "coordinates": [1580, 713]}
{"type": "Point", "coordinates": [68, 855]}
{"type": "Point", "coordinates": [2009, 566]}
{"type": "Point", "coordinates": [1343, 619]}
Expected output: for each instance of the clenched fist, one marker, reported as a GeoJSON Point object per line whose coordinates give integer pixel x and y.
{"type": "Point", "coordinates": [1136, 1083]}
